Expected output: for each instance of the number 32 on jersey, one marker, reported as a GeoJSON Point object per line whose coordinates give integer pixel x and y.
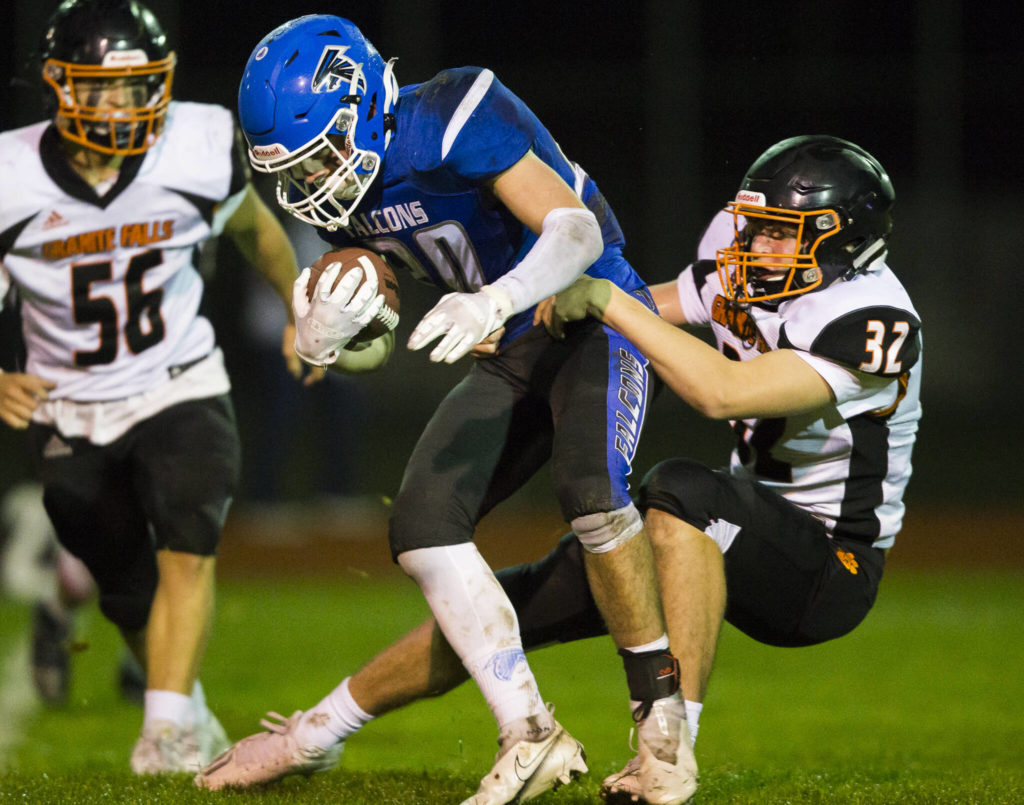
{"type": "Point", "coordinates": [884, 343]}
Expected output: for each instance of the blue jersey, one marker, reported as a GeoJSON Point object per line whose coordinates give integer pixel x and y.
{"type": "Point", "coordinates": [431, 210]}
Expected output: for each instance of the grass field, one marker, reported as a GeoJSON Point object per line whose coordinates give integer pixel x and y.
{"type": "Point", "coordinates": [922, 704]}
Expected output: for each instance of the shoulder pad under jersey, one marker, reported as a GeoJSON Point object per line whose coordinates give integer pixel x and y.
{"type": "Point", "coordinates": [702, 269]}
{"type": "Point", "coordinates": [468, 121]}
{"type": "Point", "coordinates": [879, 340]}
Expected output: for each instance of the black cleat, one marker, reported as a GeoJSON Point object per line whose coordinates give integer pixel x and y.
{"type": "Point", "coordinates": [51, 659]}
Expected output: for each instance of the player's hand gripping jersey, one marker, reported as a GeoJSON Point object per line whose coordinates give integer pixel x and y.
{"type": "Point", "coordinates": [431, 211]}
{"type": "Point", "coordinates": [108, 283]}
{"type": "Point", "coordinates": [847, 465]}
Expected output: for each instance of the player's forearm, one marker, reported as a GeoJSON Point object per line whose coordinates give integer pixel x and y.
{"type": "Point", "coordinates": [699, 374]}
{"type": "Point", "coordinates": [776, 383]}
{"type": "Point", "coordinates": [275, 258]}
{"type": "Point", "coordinates": [263, 242]}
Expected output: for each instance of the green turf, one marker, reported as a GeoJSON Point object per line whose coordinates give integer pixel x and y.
{"type": "Point", "coordinates": [921, 704]}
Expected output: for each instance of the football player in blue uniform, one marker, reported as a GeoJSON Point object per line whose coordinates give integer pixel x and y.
{"type": "Point", "coordinates": [819, 367]}
{"type": "Point", "coordinates": [124, 393]}
{"type": "Point", "coordinates": [457, 181]}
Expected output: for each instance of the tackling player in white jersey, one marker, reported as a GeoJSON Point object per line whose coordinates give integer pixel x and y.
{"type": "Point", "coordinates": [818, 366]}
{"type": "Point", "coordinates": [819, 369]}
{"type": "Point", "coordinates": [124, 394]}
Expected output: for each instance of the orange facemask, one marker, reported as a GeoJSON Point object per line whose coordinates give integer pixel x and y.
{"type": "Point", "coordinates": [116, 108]}
{"type": "Point", "coordinates": [748, 277]}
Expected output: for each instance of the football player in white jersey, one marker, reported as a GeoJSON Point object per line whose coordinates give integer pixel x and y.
{"type": "Point", "coordinates": [818, 366]}
{"type": "Point", "coordinates": [124, 394]}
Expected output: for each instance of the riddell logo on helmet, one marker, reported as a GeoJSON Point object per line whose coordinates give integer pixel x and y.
{"type": "Point", "coordinates": [748, 197]}
{"type": "Point", "coordinates": [268, 151]}
{"type": "Point", "coordinates": [124, 58]}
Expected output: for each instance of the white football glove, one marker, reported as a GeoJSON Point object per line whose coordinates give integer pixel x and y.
{"type": "Point", "coordinates": [326, 324]}
{"type": "Point", "coordinates": [464, 319]}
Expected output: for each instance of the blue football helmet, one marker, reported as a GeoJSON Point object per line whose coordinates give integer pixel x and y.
{"type": "Point", "coordinates": [315, 105]}
{"type": "Point", "coordinates": [831, 196]}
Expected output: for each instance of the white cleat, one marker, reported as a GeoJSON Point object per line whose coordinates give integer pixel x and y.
{"type": "Point", "coordinates": [529, 768]}
{"type": "Point", "coordinates": [212, 738]}
{"type": "Point", "coordinates": [166, 748]}
{"type": "Point", "coordinates": [667, 770]}
{"type": "Point", "coordinates": [267, 756]}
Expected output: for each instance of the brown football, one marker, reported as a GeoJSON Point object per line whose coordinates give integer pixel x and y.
{"type": "Point", "coordinates": [355, 257]}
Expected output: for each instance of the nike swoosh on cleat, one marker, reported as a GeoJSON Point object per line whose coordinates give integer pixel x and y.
{"type": "Point", "coordinates": [529, 769]}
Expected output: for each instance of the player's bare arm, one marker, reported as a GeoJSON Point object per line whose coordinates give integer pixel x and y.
{"type": "Point", "coordinates": [530, 190]}
{"type": "Point", "coordinates": [261, 239]}
{"type": "Point", "coordinates": [666, 298]}
{"type": "Point", "coordinates": [777, 383]}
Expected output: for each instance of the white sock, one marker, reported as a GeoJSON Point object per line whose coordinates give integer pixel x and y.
{"type": "Point", "coordinates": [693, 718]}
{"type": "Point", "coordinates": [332, 719]}
{"type": "Point", "coordinates": [481, 626]}
{"type": "Point", "coordinates": [661, 644]}
{"type": "Point", "coordinates": [166, 705]}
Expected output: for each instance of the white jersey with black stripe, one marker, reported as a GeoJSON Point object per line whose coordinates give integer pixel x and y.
{"type": "Point", "coordinates": [108, 284]}
{"type": "Point", "coordinates": [847, 463]}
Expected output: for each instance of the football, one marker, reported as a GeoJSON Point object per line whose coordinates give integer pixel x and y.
{"type": "Point", "coordinates": [354, 257]}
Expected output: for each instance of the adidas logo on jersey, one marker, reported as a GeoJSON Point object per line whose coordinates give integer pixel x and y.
{"type": "Point", "coordinates": [53, 220]}
{"type": "Point", "coordinates": [56, 447]}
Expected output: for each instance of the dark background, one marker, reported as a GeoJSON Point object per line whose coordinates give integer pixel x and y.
{"type": "Point", "coordinates": [665, 104]}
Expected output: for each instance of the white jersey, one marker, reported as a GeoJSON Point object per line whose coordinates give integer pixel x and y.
{"type": "Point", "coordinates": [108, 284]}
{"type": "Point", "coordinates": [849, 463]}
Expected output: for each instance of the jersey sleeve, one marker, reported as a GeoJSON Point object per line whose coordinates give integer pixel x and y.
{"type": "Point", "coordinates": [719, 234]}
{"type": "Point", "coordinates": [239, 185]}
{"type": "Point", "coordinates": [689, 286]}
{"type": "Point", "coordinates": [876, 340]}
{"type": "Point", "coordinates": [199, 155]}
{"type": "Point", "coordinates": [855, 392]}
{"type": "Point", "coordinates": [485, 129]}
{"type": "Point", "coordinates": [241, 174]}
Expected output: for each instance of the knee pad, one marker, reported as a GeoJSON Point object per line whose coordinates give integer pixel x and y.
{"type": "Point", "coordinates": [604, 531]}
{"type": "Point", "coordinates": [680, 486]}
{"type": "Point", "coordinates": [203, 539]}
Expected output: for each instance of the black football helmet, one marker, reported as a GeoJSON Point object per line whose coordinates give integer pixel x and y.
{"type": "Point", "coordinates": [109, 66]}
{"type": "Point", "coordinates": [832, 194]}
